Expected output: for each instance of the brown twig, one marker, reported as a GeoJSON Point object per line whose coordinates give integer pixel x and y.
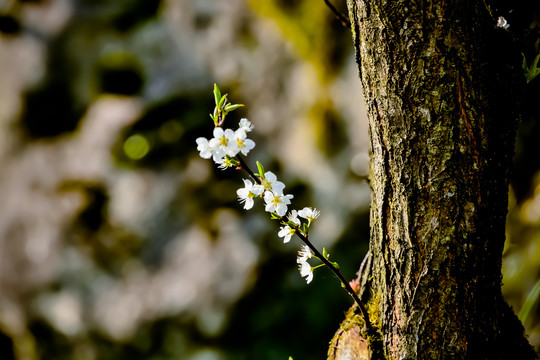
{"type": "Point", "coordinates": [342, 18]}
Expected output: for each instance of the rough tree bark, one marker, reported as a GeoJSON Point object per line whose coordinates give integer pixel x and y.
{"type": "Point", "coordinates": [439, 82]}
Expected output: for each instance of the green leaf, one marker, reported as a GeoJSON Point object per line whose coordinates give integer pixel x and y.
{"type": "Point", "coordinates": [305, 228]}
{"type": "Point", "coordinates": [533, 71]}
{"type": "Point", "coordinates": [535, 62]}
{"type": "Point", "coordinates": [524, 64]}
{"type": "Point", "coordinates": [232, 160]}
{"type": "Point", "coordinates": [291, 224]}
{"type": "Point", "coordinates": [261, 169]}
{"type": "Point", "coordinates": [336, 265]}
{"type": "Point", "coordinates": [215, 117]}
{"type": "Point", "coordinates": [275, 216]}
{"type": "Point", "coordinates": [531, 299]}
{"type": "Point", "coordinates": [325, 253]}
{"type": "Point", "coordinates": [217, 94]}
{"type": "Point", "coordinates": [222, 102]}
{"type": "Point", "coordinates": [232, 107]}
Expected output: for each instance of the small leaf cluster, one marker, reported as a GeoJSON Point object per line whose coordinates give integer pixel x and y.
{"type": "Point", "coordinates": [533, 71]}
{"type": "Point", "coordinates": [223, 107]}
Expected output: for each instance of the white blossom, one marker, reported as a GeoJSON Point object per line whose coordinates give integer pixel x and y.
{"type": "Point", "coordinates": [293, 216]}
{"type": "Point", "coordinates": [242, 143]}
{"type": "Point", "coordinates": [277, 202]}
{"type": "Point", "coordinates": [287, 231]}
{"type": "Point", "coordinates": [501, 22]}
{"type": "Point", "coordinates": [270, 183]}
{"type": "Point", "coordinates": [209, 149]}
{"type": "Point", "coordinates": [245, 125]}
{"type": "Point", "coordinates": [248, 192]}
{"type": "Point", "coordinates": [309, 214]}
{"type": "Point", "coordinates": [306, 271]}
{"type": "Point", "coordinates": [204, 148]}
{"type": "Point", "coordinates": [225, 141]}
{"type": "Point", "coordinates": [304, 254]}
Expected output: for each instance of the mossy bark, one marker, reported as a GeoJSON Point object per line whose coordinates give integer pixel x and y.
{"type": "Point", "coordinates": [441, 84]}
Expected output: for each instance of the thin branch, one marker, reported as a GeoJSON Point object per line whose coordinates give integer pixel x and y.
{"type": "Point", "coordinates": [318, 254]}
{"type": "Point", "coordinates": [339, 15]}
{"type": "Point", "coordinates": [244, 166]}
{"type": "Point", "coordinates": [340, 276]}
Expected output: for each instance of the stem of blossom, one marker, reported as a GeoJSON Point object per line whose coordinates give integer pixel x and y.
{"type": "Point", "coordinates": [248, 170]}
{"type": "Point", "coordinates": [317, 253]}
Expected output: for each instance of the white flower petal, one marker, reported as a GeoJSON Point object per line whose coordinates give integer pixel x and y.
{"type": "Point", "coordinates": [306, 271]}
{"type": "Point", "coordinates": [293, 216]}
{"type": "Point", "coordinates": [218, 132]}
{"type": "Point", "coordinates": [281, 209]}
{"type": "Point", "coordinates": [309, 214]}
{"type": "Point", "coordinates": [249, 203]}
{"type": "Point", "coordinates": [246, 125]}
{"type": "Point", "coordinates": [204, 148]}
{"type": "Point", "coordinates": [257, 189]}
{"type": "Point", "coordinates": [247, 193]}
{"type": "Point", "coordinates": [286, 233]}
{"type": "Point", "coordinates": [304, 254]}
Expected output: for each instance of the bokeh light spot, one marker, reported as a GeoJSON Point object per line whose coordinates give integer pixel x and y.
{"type": "Point", "coordinates": [171, 131]}
{"type": "Point", "coordinates": [136, 147]}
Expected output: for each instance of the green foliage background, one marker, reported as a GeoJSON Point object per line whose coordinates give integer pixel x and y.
{"type": "Point", "coordinates": [118, 242]}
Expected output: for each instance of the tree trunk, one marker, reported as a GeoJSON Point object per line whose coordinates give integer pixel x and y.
{"type": "Point", "coordinates": [440, 82]}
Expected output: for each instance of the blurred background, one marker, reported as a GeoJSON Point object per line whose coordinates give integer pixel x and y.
{"type": "Point", "coordinates": [117, 241]}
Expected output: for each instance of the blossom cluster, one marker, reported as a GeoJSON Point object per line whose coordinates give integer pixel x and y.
{"type": "Point", "coordinates": [225, 148]}
{"type": "Point", "coordinates": [270, 189]}
{"type": "Point", "coordinates": [290, 228]}
{"type": "Point", "coordinates": [276, 202]}
{"type": "Point", "coordinates": [226, 144]}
